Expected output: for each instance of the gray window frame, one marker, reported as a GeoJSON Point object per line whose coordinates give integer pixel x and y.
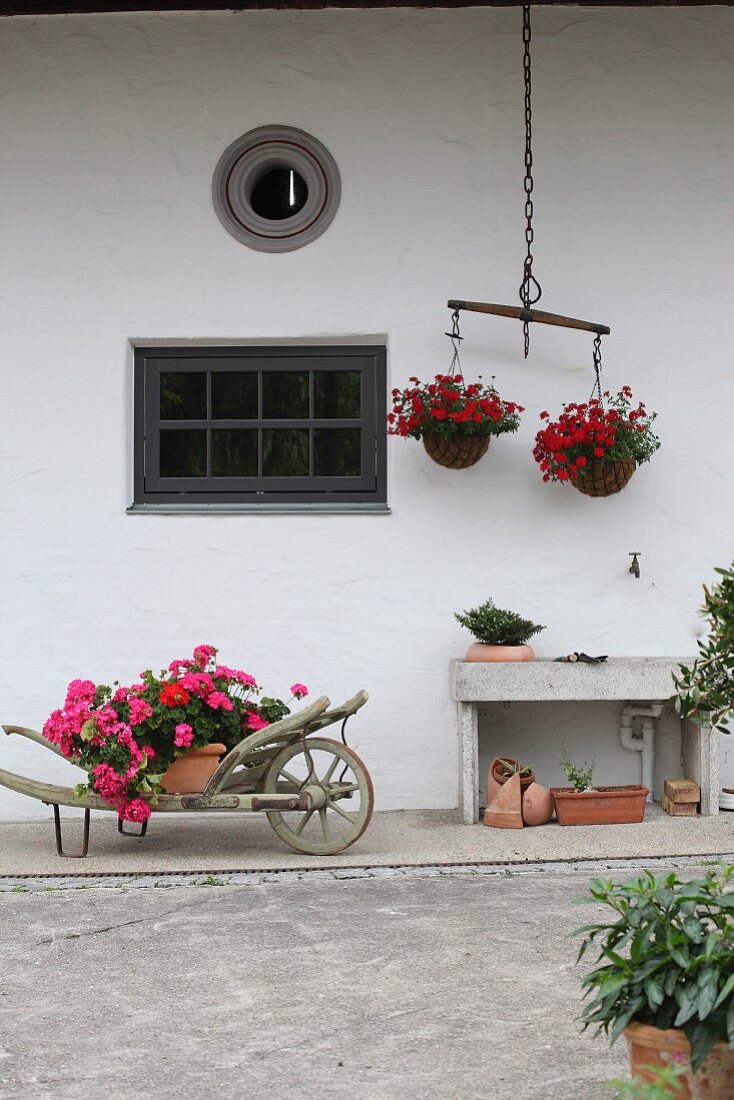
{"type": "Point", "coordinates": [367, 492]}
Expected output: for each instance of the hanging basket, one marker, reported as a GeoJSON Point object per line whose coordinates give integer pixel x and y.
{"type": "Point", "coordinates": [605, 478]}
{"type": "Point", "coordinates": [456, 452]}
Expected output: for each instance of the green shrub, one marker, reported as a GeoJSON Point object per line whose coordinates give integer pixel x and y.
{"type": "Point", "coordinates": [677, 970]}
{"type": "Point", "coordinates": [492, 626]}
{"type": "Point", "coordinates": [706, 690]}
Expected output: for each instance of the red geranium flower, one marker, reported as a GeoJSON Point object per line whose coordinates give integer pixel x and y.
{"type": "Point", "coordinates": [173, 695]}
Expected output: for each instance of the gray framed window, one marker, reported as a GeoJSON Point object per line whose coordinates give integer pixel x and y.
{"type": "Point", "coordinates": [260, 427]}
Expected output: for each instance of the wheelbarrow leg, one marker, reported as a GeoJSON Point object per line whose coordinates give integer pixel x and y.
{"type": "Point", "coordinates": [59, 845]}
{"type": "Point", "coordinates": [143, 828]}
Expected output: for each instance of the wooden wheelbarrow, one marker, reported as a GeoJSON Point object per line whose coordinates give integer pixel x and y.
{"type": "Point", "coordinates": [316, 792]}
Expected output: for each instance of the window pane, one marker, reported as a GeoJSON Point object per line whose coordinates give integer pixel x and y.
{"type": "Point", "coordinates": [234, 395]}
{"type": "Point", "coordinates": [234, 453]}
{"type": "Point", "coordinates": [182, 453]}
{"type": "Point", "coordinates": [285, 452]}
{"type": "Point", "coordinates": [183, 395]}
{"type": "Point", "coordinates": [337, 393]}
{"type": "Point", "coordinates": [337, 452]}
{"type": "Point", "coordinates": [285, 395]}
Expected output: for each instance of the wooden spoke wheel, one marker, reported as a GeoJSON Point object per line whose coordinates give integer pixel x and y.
{"type": "Point", "coordinates": [348, 795]}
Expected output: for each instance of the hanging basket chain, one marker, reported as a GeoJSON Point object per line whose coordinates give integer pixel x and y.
{"type": "Point", "coordinates": [455, 337]}
{"type": "Point", "coordinates": [596, 388]}
{"type": "Point", "coordinates": [530, 289]}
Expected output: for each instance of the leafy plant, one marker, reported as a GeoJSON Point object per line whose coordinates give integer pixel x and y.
{"type": "Point", "coordinates": [448, 406]}
{"type": "Point", "coordinates": [492, 626]}
{"type": "Point", "coordinates": [706, 690]}
{"type": "Point", "coordinates": [508, 768]}
{"type": "Point", "coordinates": [666, 1083]}
{"type": "Point", "coordinates": [677, 970]}
{"type": "Point", "coordinates": [592, 433]}
{"type": "Point", "coordinates": [579, 776]}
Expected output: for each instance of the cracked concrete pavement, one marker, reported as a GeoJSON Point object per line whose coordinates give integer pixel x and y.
{"type": "Point", "coordinates": [379, 988]}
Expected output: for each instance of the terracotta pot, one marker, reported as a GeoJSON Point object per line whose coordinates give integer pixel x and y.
{"type": "Point", "coordinates": [537, 805]}
{"type": "Point", "coordinates": [190, 773]}
{"type": "Point", "coordinates": [602, 806]}
{"type": "Point", "coordinates": [603, 478]}
{"type": "Point", "coordinates": [456, 452]}
{"type": "Point", "coordinates": [495, 771]}
{"type": "Point", "coordinates": [650, 1046]}
{"type": "Point", "coordinates": [479, 652]}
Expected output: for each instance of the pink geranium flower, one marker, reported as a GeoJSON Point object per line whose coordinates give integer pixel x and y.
{"type": "Point", "coordinates": [299, 690]}
{"type": "Point", "coordinates": [219, 701]}
{"type": "Point", "coordinates": [136, 810]}
{"type": "Point", "coordinates": [184, 735]}
{"type": "Point", "coordinates": [204, 653]}
{"type": "Point", "coordinates": [255, 722]}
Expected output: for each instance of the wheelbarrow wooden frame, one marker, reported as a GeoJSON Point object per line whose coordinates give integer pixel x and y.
{"type": "Point", "coordinates": [251, 778]}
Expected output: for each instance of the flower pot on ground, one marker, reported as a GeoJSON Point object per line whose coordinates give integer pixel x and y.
{"type": "Point", "coordinates": [664, 975]}
{"type": "Point", "coordinates": [127, 738]}
{"type": "Point", "coordinates": [455, 420]}
{"type": "Point", "coordinates": [596, 448]}
{"type": "Point", "coordinates": [503, 768]}
{"type": "Point", "coordinates": [500, 635]}
{"type": "Point", "coordinates": [584, 804]}
{"type": "Point", "coordinates": [190, 773]}
{"type": "Point", "coordinates": [601, 806]}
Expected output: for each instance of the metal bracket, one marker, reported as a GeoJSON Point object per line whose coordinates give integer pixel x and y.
{"type": "Point", "coordinates": [143, 828]}
{"type": "Point", "coordinates": [59, 845]}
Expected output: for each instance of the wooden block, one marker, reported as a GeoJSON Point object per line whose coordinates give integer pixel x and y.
{"type": "Point", "coordinates": [679, 809]}
{"type": "Point", "coordinates": [682, 790]}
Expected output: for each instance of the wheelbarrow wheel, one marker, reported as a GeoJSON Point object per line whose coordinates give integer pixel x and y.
{"type": "Point", "coordinates": [346, 783]}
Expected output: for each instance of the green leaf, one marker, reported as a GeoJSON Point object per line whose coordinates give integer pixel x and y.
{"type": "Point", "coordinates": [655, 990]}
{"type": "Point", "coordinates": [730, 1025]}
{"type": "Point", "coordinates": [708, 982]}
{"type": "Point", "coordinates": [728, 988]}
{"type": "Point", "coordinates": [88, 730]}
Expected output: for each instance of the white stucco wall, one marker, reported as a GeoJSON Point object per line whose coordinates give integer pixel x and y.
{"type": "Point", "coordinates": [110, 128]}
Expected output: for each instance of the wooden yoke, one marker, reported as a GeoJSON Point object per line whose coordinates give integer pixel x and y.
{"type": "Point", "coordinates": [520, 313]}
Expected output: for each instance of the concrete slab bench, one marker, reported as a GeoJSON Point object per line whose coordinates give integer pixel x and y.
{"type": "Point", "coordinates": [641, 680]}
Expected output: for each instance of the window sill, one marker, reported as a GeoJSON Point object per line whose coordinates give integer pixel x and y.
{"type": "Point", "coordinates": [354, 508]}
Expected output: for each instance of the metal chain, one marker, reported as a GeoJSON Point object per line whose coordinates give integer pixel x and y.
{"type": "Point", "coordinates": [530, 290]}
{"type": "Point", "coordinates": [455, 337]}
{"type": "Point", "coordinates": [596, 388]}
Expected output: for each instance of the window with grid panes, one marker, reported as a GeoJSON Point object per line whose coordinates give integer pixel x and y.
{"type": "Point", "coordinates": [260, 425]}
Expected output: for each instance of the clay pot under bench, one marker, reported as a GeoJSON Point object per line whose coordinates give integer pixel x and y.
{"type": "Point", "coordinates": [496, 774]}
{"type": "Point", "coordinates": [650, 1046]}
{"type": "Point", "coordinates": [537, 805]}
{"type": "Point", "coordinates": [498, 653]}
{"type": "Point", "coordinates": [602, 806]}
{"type": "Point", "coordinates": [190, 773]}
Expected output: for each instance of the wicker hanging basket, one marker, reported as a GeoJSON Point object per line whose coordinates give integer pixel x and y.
{"type": "Point", "coordinates": [605, 478]}
{"type": "Point", "coordinates": [456, 452]}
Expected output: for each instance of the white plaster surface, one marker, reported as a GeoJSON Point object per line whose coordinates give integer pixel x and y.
{"type": "Point", "coordinates": [109, 131]}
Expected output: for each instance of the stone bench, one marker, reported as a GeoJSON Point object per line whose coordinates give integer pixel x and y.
{"type": "Point", "coordinates": [622, 679]}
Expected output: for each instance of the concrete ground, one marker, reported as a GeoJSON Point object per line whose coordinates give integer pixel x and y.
{"type": "Point", "coordinates": [228, 842]}
{"type": "Point", "coordinates": [392, 987]}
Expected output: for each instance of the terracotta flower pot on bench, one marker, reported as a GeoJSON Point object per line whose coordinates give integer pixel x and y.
{"type": "Point", "coordinates": [602, 806]}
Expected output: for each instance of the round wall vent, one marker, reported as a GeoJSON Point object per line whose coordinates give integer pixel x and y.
{"type": "Point", "coordinates": [276, 188]}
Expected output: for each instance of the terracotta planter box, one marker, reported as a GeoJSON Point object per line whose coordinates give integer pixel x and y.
{"type": "Point", "coordinates": [603, 806]}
